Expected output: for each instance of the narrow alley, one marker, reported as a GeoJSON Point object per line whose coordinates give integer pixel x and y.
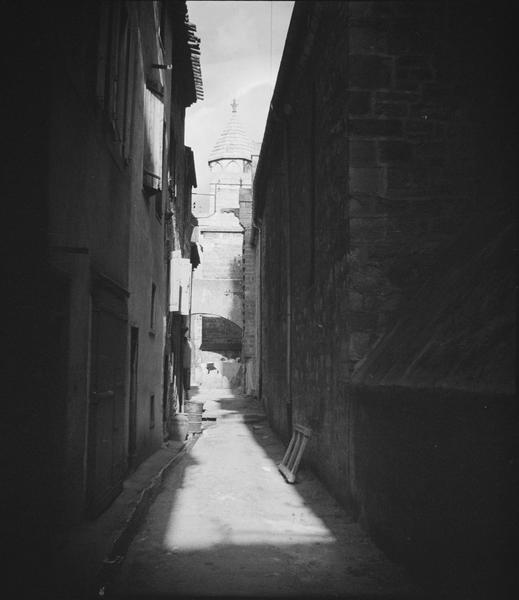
{"type": "Point", "coordinates": [235, 223]}
{"type": "Point", "coordinates": [227, 524]}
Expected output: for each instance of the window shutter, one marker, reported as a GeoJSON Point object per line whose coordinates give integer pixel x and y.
{"type": "Point", "coordinates": [175, 283]}
{"type": "Point", "coordinates": [180, 284]}
{"type": "Point", "coordinates": [153, 139]}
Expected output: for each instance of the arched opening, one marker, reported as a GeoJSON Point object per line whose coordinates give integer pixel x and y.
{"type": "Point", "coordinates": [222, 336]}
{"type": "Point", "coordinates": [217, 355]}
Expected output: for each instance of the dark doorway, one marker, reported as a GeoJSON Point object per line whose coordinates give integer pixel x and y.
{"type": "Point", "coordinates": [57, 363]}
{"type": "Point", "coordinates": [132, 426]}
{"type": "Point", "coordinates": [107, 452]}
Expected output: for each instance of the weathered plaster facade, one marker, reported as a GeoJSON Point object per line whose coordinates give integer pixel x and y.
{"type": "Point", "coordinates": [109, 116]}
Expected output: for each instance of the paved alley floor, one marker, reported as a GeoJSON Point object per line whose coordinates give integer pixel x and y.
{"type": "Point", "coordinates": [227, 524]}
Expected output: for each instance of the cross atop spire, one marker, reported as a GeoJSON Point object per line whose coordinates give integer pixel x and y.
{"type": "Point", "coordinates": [233, 141]}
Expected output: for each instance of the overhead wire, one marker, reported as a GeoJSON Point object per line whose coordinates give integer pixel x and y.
{"type": "Point", "coordinates": [270, 70]}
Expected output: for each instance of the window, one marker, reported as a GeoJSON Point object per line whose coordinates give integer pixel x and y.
{"type": "Point", "coordinates": [158, 196]}
{"type": "Point", "coordinates": [152, 411]}
{"type": "Point", "coordinates": [160, 18]}
{"type": "Point", "coordinates": [114, 73]}
{"type": "Point", "coordinates": [152, 308]}
{"type": "Point", "coordinates": [158, 206]}
{"type": "Point", "coordinates": [172, 162]}
{"type": "Point", "coordinates": [153, 141]}
{"type": "Point", "coordinates": [125, 86]}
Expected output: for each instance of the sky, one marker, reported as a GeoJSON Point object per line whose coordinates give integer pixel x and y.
{"type": "Point", "coordinates": [240, 56]}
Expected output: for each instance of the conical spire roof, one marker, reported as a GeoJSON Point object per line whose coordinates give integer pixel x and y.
{"type": "Point", "coordinates": [233, 141]}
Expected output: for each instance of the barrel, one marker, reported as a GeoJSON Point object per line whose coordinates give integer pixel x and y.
{"type": "Point", "coordinates": [179, 427]}
{"type": "Point", "coordinates": [193, 409]}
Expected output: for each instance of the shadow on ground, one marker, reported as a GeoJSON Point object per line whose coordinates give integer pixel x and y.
{"type": "Point", "coordinates": [283, 564]}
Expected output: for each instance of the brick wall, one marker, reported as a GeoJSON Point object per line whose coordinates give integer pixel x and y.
{"type": "Point", "coordinates": [383, 195]}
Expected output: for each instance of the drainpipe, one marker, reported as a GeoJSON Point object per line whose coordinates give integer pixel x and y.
{"type": "Point", "coordinates": [259, 290]}
{"type": "Point", "coordinates": [287, 111]}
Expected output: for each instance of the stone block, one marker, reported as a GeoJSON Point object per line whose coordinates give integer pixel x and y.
{"type": "Point", "coordinates": [414, 61]}
{"type": "Point", "coordinates": [394, 151]}
{"type": "Point", "coordinates": [360, 320]}
{"type": "Point", "coordinates": [367, 40]}
{"type": "Point", "coordinates": [410, 85]}
{"type": "Point", "coordinates": [359, 204]}
{"type": "Point", "coordinates": [355, 300]}
{"type": "Point", "coordinates": [432, 153]}
{"type": "Point", "coordinates": [362, 153]}
{"type": "Point", "coordinates": [429, 110]}
{"type": "Point", "coordinates": [367, 180]}
{"type": "Point", "coordinates": [397, 96]}
{"type": "Point", "coordinates": [359, 103]}
{"type": "Point", "coordinates": [367, 230]}
{"type": "Point", "coordinates": [375, 127]}
{"type": "Point", "coordinates": [360, 9]}
{"type": "Point", "coordinates": [411, 36]}
{"type": "Point", "coordinates": [359, 345]}
{"type": "Point", "coordinates": [391, 109]}
{"type": "Point", "coordinates": [370, 71]}
{"type": "Point", "coordinates": [400, 178]}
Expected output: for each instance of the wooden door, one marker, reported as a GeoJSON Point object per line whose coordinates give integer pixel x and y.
{"type": "Point", "coordinates": [107, 453]}
{"type": "Point", "coordinates": [132, 425]}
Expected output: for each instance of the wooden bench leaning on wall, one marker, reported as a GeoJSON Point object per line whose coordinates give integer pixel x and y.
{"type": "Point", "coordinates": [290, 463]}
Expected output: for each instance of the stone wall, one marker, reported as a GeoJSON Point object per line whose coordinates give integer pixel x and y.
{"type": "Point", "coordinates": [383, 194]}
{"type": "Point", "coordinates": [249, 292]}
{"type": "Point", "coordinates": [217, 306]}
{"type": "Point", "coordinates": [222, 255]}
{"type": "Point", "coordinates": [104, 241]}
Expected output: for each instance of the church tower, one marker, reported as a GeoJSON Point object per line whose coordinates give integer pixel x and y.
{"type": "Point", "coordinates": [230, 165]}
{"type": "Point", "coordinates": [217, 301]}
